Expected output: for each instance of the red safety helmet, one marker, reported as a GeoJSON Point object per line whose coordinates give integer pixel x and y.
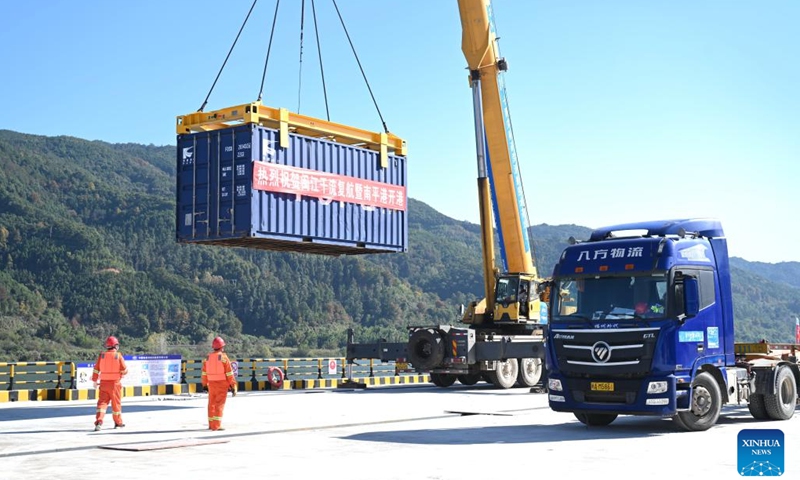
{"type": "Point", "coordinates": [217, 343]}
{"type": "Point", "coordinates": [111, 342]}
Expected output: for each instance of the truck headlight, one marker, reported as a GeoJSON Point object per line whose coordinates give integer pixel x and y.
{"type": "Point", "coordinates": [554, 384]}
{"type": "Point", "coordinates": [656, 387]}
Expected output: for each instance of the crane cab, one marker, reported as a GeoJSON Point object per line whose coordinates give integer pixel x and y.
{"type": "Point", "coordinates": [517, 299]}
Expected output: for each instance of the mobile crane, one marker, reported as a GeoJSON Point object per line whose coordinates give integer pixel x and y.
{"type": "Point", "coordinates": [503, 340]}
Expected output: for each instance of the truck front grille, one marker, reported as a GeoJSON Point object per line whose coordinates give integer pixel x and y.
{"type": "Point", "coordinates": [628, 351]}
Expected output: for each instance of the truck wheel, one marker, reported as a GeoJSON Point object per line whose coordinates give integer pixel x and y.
{"type": "Point", "coordinates": [596, 419]}
{"type": "Point", "coordinates": [780, 405]}
{"type": "Point", "coordinates": [469, 378]}
{"type": "Point", "coordinates": [757, 407]}
{"type": "Point", "coordinates": [706, 405]}
{"type": "Point", "coordinates": [443, 380]}
{"type": "Point", "coordinates": [530, 372]}
{"type": "Point", "coordinates": [505, 374]}
{"type": "Point", "coordinates": [425, 349]}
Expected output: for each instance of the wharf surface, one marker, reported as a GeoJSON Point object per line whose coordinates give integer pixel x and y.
{"type": "Point", "coordinates": [390, 432]}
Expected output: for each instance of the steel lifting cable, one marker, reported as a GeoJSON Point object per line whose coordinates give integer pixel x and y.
{"type": "Point", "coordinates": [300, 68]}
{"type": "Point", "coordinates": [321, 70]}
{"type": "Point", "coordinates": [205, 102]}
{"type": "Point", "coordinates": [269, 47]}
{"type": "Point", "coordinates": [521, 186]}
{"type": "Point", "coordinates": [319, 50]}
{"type": "Point", "coordinates": [514, 145]}
{"type": "Point", "coordinates": [359, 66]}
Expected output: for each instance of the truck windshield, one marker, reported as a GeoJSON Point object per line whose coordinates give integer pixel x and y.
{"type": "Point", "coordinates": [608, 298]}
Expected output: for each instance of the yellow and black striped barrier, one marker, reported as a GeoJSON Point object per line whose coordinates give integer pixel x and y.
{"type": "Point", "coordinates": [30, 395]}
{"type": "Point", "coordinates": [24, 381]}
{"type": "Point", "coordinates": [67, 394]}
{"type": "Point", "coordinates": [367, 381]}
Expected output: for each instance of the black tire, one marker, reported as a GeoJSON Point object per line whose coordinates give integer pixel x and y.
{"type": "Point", "coordinates": [443, 380]}
{"type": "Point", "coordinates": [505, 374]}
{"type": "Point", "coordinates": [469, 378]}
{"type": "Point", "coordinates": [757, 407]}
{"type": "Point", "coordinates": [530, 372]}
{"type": "Point", "coordinates": [425, 349]}
{"type": "Point", "coordinates": [705, 407]}
{"type": "Point", "coordinates": [596, 419]}
{"type": "Point", "coordinates": [780, 405]}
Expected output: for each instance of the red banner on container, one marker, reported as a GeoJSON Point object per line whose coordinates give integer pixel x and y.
{"type": "Point", "coordinates": [327, 186]}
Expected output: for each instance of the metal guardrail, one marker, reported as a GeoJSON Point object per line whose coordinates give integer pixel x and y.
{"type": "Point", "coordinates": [34, 375]}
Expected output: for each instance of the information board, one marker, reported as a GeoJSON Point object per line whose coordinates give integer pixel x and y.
{"type": "Point", "coordinates": [142, 370]}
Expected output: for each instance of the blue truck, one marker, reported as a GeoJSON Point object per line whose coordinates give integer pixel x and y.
{"type": "Point", "coordinates": [642, 324]}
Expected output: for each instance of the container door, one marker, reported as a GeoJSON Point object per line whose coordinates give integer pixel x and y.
{"type": "Point", "coordinates": [223, 183]}
{"type": "Point", "coordinates": [245, 148]}
{"type": "Point", "coordinates": [230, 167]}
{"type": "Point", "coordinates": [192, 189]}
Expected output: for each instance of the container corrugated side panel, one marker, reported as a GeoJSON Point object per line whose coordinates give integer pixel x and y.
{"type": "Point", "coordinates": [216, 188]}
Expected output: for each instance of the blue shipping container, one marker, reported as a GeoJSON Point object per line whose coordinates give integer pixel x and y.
{"type": "Point", "coordinates": [236, 187]}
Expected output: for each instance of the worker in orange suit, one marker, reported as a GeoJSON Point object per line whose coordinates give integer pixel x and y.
{"type": "Point", "coordinates": [218, 378]}
{"type": "Point", "coordinates": [110, 368]}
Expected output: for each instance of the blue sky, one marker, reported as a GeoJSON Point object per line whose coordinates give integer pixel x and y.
{"type": "Point", "coordinates": [622, 110]}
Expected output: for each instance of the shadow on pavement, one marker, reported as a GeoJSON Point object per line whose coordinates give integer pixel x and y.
{"type": "Point", "coordinates": [634, 427]}
{"type": "Point", "coordinates": [483, 388]}
{"type": "Point", "coordinates": [624, 427]}
{"type": "Point", "coordinates": [33, 413]}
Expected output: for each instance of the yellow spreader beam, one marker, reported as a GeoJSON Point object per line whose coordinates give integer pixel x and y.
{"type": "Point", "coordinates": [284, 121]}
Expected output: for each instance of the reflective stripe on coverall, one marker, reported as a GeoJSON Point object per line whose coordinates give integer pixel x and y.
{"type": "Point", "coordinates": [110, 367]}
{"type": "Point", "coordinates": [218, 377]}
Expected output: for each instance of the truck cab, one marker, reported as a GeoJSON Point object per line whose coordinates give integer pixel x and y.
{"type": "Point", "coordinates": [642, 324]}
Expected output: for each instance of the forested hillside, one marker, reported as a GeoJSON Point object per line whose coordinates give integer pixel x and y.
{"type": "Point", "coordinates": [786, 272]}
{"type": "Point", "coordinates": [87, 249]}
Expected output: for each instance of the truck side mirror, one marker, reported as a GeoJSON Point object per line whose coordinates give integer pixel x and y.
{"type": "Point", "coordinates": [691, 297]}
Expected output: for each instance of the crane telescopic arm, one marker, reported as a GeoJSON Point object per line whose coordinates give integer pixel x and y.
{"type": "Point", "coordinates": [497, 163]}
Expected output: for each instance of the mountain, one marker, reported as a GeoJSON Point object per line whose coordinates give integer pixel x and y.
{"type": "Point", "coordinates": [786, 272]}
{"type": "Point", "coordinates": [762, 308]}
{"type": "Point", "coordinates": [87, 249]}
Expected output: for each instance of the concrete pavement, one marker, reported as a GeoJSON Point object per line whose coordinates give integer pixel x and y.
{"type": "Point", "coordinates": [400, 432]}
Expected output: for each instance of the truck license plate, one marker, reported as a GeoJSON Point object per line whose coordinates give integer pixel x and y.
{"type": "Point", "coordinates": [602, 386]}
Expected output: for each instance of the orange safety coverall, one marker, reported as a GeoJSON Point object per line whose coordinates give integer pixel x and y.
{"type": "Point", "coordinates": [110, 367]}
{"type": "Point", "coordinates": [217, 375]}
